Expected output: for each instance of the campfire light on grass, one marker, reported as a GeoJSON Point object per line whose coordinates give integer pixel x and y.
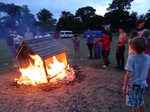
{"type": "Point", "coordinates": [35, 73]}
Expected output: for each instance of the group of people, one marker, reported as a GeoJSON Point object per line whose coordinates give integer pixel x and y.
{"type": "Point", "coordinates": [137, 66]}
{"type": "Point", "coordinates": [14, 40]}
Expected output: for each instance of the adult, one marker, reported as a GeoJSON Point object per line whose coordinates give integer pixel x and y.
{"type": "Point", "coordinates": [47, 34]}
{"type": "Point", "coordinates": [10, 43]}
{"type": "Point", "coordinates": [122, 40]}
{"type": "Point", "coordinates": [38, 35]}
{"type": "Point", "coordinates": [140, 26]}
{"type": "Point", "coordinates": [28, 35]}
{"type": "Point", "coordinates": [90, 39]}
{"type": "Point", "coordinates": [146, 35]}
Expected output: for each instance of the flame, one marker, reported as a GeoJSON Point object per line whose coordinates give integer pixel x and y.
{"type": "Point", "coordinates": [59, 71]}
{"type": "Point", "coordinates": [35, 73]}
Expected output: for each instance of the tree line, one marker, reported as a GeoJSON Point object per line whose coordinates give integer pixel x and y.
{"type": "Point", "coordinates": [20, 17]}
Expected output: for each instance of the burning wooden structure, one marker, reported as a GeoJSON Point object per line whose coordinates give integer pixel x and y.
{"type": "Point", "coordinates": [43, 60]}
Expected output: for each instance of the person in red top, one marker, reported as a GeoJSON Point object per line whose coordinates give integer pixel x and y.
{"type": "Point", "coordinates": [105, 41]}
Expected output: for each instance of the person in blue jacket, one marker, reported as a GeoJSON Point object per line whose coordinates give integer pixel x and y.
{"type": "Point", "coordinates": [90, 40]}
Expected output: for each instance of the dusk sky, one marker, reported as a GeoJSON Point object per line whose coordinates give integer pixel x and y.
{"type": "Point", "coordinates": [57, 6]}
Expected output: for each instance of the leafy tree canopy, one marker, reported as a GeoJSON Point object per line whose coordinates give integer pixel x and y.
{"type": "Point", "coordinates": [120, 4]}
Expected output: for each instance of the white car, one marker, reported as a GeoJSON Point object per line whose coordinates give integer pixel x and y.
{"type": "Point", "coordinates": [66, 34]}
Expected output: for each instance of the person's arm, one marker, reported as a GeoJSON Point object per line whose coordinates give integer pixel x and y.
{"type": "Point", "coordinates": [99, 41]}
{"type": "Point", "coordinates": [106, 41]}
{"type": "Point", "coordinates": [78, 42]}
{"type": "Point", "coordinates": [20, 37]}
{"type": "Point", "coordinates": [125, 39]}
{"type": "Point", "coordinates": [126, 79]}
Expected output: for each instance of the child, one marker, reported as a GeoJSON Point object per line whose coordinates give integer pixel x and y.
{"type": "Point", "coordinates": [105, 41]}
{"type": "Point", "coordinates": [137, 67]}
{"type": "Point", "coordinates": [76, 44]}
{"type": "Point", "coordinates": [107, 28]}
{"type": "Point", "coordinates": [122, 40]}
{"type": "Point", "coordinates": [134, 33]}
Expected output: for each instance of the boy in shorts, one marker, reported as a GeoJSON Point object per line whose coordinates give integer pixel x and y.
{"type": "Point", "coordinates": [137, 68]}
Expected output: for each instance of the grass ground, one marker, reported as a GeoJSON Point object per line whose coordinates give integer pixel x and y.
{"type": "Point", "coordinates": [95, 63]}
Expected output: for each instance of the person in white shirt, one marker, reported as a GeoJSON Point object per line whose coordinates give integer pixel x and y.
{"type": "Point", "coordinates": [47, 34]}
{"type": "Point", "coordinates": [28, 35]}
{"type": "Point", "coordinates": [38, 35]}
{"type": "Point", "coordinates": [17, 40]}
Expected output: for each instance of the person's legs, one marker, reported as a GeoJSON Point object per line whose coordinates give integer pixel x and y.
{"type": "Point", "coordinates": [148, 80]}
{"type": "Point", "coordinates": [105, 57]}
{"type": "Point", "coordinates": [134, 109]}
{"type": "Point", "coordinates": [135, 97]}
{"type": "Point", "coordinates": [90, 46]}
{"type": "Point", "coordinates": [12, 53]}
{"type": "Point", "coordinates": [140, 108]}
{"type": "Point", "coordinates": [118, 58]}
{"type": "Point", "coordinates": [122, 49]}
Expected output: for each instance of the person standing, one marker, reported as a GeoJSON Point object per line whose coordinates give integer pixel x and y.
{"type": "Point", "coordinates": [137, 68]}
{"type": "Point", "coordinates": [107, 28]}
{"type": "Point", "coordinates": [76, 45]}
{"type": "Point", "coordinates": [105, 41]}
{"type": "Point", "coordinates": [122, 40]}
{"type": "Point", "coordinates": [38, 35]}
{"type": "Point", "coordinates": [17, 40]}
{"type": "Point", "coordinates": [90, 39]}
{"type": "Point", "coordinates": [10, 43]}
{"type": "Point", "coordinates": [47, 34]}
{"type": "Point", "coordinates": [140, 26]}
{"type": "Point", "coordinates": [146, 35]}
{"type": "Point", "coordinates": [28, 35]}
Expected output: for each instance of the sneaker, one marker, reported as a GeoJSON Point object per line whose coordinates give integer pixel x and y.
{"type": "Point", "coordinates": [117, 67]}
{"type": "Point", "coordinates": [104, 66]}
{"type": "Point", "coordinates": [90, 58]}
{"type": "Point", "coordinates": [108, 62]}
{"type": "Point", "coordinates": [121, 69]}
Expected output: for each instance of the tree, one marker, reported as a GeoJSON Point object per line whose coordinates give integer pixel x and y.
{"type": "Point", "coordinates": [116, 18]}
{"type": "Point", "coordinates": [68, 21]}
{"type": "Point", "coordinates": [120, 5]}
{"type": "Point", "coordinates": [46, 20]}
{"type": "Point", "coordinates": [11, 14]}
{"type": "Point", "coordinates": [85, 14]}
{"type": "Point", "coordinates": [131, 23]}
{"type": "Point", "coordinates": [16, 17]}
{"type": "Point", "coordinates": [118, 14]}
{"type": "Point", "coordinates": [147, 22]}
{"type": "Point", "coordinates": [27, 19]}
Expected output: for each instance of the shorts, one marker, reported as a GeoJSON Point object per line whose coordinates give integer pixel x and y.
{"type": "Point", "coordinates": [135, 95]}
{"type": "Point", "coordinates": [76, 47]}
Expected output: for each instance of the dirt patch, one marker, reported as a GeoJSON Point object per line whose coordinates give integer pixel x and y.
{"type": "Point", "coordinates": [96, 90]}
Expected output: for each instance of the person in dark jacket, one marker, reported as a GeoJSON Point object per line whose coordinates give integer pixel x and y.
{"type": "Point", "coordinates": [10, 43]}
